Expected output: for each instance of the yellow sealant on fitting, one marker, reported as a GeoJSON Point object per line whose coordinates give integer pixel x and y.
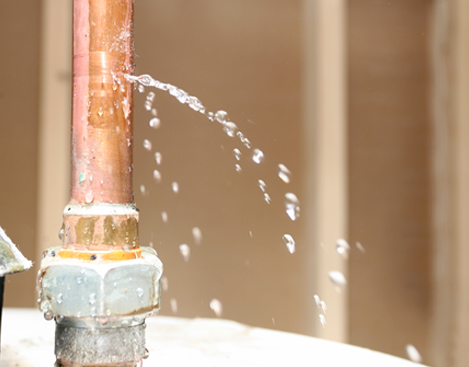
{"type": "Point", "coordinates": [99, 256]}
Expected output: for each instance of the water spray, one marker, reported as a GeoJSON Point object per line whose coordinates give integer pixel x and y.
{"type": "Point", "coordinates": [100, 285]}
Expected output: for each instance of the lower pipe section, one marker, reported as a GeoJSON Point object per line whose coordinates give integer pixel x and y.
{"type": "Point", "coordinates": [104, 345]}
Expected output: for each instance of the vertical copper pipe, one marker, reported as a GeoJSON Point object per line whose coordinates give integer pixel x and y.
{"type": "Point", "coordinates": [102, 130]}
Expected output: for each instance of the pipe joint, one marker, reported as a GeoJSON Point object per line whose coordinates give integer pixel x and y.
{"type": "Point", "coordinates": [102, 290]}
{"type": "Point", "coordinates": [100, 227]}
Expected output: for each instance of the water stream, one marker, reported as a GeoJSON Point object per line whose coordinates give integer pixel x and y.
{"type": "Point", "coordinates": [292, 205]}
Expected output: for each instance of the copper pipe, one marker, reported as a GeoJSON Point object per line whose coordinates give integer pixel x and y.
{"type": "Point", "coordinates": [102, 129]}
{"type": "Point", "coordinates": [100, 229]}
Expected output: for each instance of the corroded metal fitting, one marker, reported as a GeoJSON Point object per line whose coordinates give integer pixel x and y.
{"type": "Point", "coordinates": [116, 346]}
{"type": "Point", "coordinates": [99, 286]}
{"type": "Point", "coordinates": [102, 226]}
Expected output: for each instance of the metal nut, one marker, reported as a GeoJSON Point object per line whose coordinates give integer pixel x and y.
{"type": "Point", "coordinates": [74, 288]}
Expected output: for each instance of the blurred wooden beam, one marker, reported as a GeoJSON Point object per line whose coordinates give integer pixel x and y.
{"type": "Point", "coordinates": [450, 322]}
{"type": "Point", "coordinates": [54, 120]}
{"type": "Point", "coordinates": [326, 155]}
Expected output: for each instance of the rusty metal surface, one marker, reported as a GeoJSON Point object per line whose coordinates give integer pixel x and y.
{"type": "Point", "coordinates": [102, 146]}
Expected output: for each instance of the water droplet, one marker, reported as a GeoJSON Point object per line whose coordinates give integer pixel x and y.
{"type": "Point", "coordinates": [262, 185]}
{"type": "Point", "coordinates": [246, 142]}
{"type": "Point", "coordinates": [360, 246]}
{"type": "Point", "coordinates": [238, 168]}
{"type": "Point", "coordinates": [323, 306]}
{"type": "Point", "coordinates": [100, 111]}
{"type": "Point", "coordinates": [151, 96]}
{"type": "Point", "coordinates": [141, 88]}
{"type": "Point", "coordinates": [216, 307]}
{"type": "Point", "coordinates": [154, 112]}
{"type": "Point", "coordinates": [221, 117]}
{"type": "Point", "coordinates": [155, 123]}
{"type": "Point", "coordinates": [61, 234]}
{"type": "Point", "coordinates": [237, 154]}
{"type": "Point", "coordinates": [338, 279]}
{"type": "Point", "coordinates": [185, 251]}
{"type": "Point", "coordinates": [284, 173]}
{"type": "Point", "coordinates": [114, 86]}
{"type": "Point", "coordinates": [148, 105]}
{"type": "Point", "coordinates": [147, 144]}
{"type": "Point", "coordinates": [126, 107]}
{"type": "Point", "coordinates": [147, 354]}
{"type": "Point", "coordinates": [342, 248]}
{"type": "Point", "coordinates": [48, 315]}
{"type": "Point", "coordinates": [92, 298]}
{"type": "Point", "coordinates": [45, 306]}
{"type": "Point", "coordinates": [292, 206]}
{"type": "Point", "coordinates": [322, 320]}
{"type": "Point", "coordinates": [163, 86]}
{"type": "Point", "coordinates": [139, 292]}
{"type": "Point", "coordinates": [197, 234]}
{"type": "Point", "coordinates": [413, 353]}
{"type": "Point", "coordinates": [89, 197]}
{"type": "Point", "coordinates": [145, 80]}
{"type": "Point", "coordinates": [290, 242]}
{"type": "Point", "coordinates": [196, 105]}
{"type": "Point", "coordinates": [174, 305]}
{"type": "Point", "coordinates": [317, 300]}
{"type": "Point", "coordinates": [157, 176]}
{"type": "Point", "coordinates": [178, 93]}
{"type": "Point", "coordinates": [250, 234]}
{"type": "Point", "coordinates": [143, 189]}
{"type": "Point", "coordinates": [164, 283]}
{"type": "Point", "coordinates": [58, 318]}
{"type": "Point", "coordinates": [60, 298]}
{"type": "Point", "coordinates": [257, 156]}
{"type": "Point", "coordinates": [230, 129]}
{"type": "Point", "coordinates": [211, 116]}
{"type": "Point", "coordinates": [267, 198]}
{"type": "Point", "coordinates": [79, 280]}
{"type": "Point", "coordinates": [175, 187]}
{"type": "Point", "coordinates": [164, 217]}
{"type": "Point", "coordinates": [158, 158]}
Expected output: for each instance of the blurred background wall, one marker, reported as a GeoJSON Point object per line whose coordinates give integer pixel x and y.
{"type": "Point", "coordinates": [363, 100]}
